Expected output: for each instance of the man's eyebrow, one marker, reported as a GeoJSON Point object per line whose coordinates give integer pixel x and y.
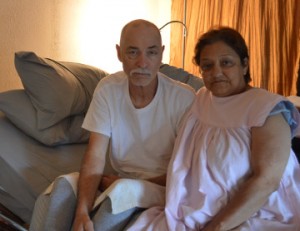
{"type": "Point", "coordinates": [132, 47]}
{"type": "Point", "coordinates": [136, 48]}
{"type": "Point", "coordinates": [153, 47]}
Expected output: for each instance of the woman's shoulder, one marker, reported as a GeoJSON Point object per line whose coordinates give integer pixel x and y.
{"type": "Point", "coordinates": [255, 105]}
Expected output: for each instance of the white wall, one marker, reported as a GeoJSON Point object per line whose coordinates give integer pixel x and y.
{"type": "Point", "coordinates": [83, 31]}
{"type": "Point", "coordinates": [23, 27]}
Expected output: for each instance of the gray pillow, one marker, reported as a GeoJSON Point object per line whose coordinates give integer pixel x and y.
{"type": "Point", "coordinates": [56, 89]}
{"type": "Point", "coordinates": [18, 108]}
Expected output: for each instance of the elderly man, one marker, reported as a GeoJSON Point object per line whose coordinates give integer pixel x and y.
{"type": "Point", "coordinates": [136, 114]}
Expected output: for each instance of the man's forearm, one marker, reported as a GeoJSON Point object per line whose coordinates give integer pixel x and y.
{"type": "Point", "coordinates": [89, 178]}
{"type": "Point", "coordinates": [92, 168]}
{"type": "Point", "coordinates": [87, 190]}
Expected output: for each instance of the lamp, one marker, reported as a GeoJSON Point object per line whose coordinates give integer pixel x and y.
{"type": "Point", "coordinates": [184, 37]}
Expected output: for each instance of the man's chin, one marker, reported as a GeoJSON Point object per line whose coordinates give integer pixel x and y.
{"type": "Point", "coordinates": [140, 82]}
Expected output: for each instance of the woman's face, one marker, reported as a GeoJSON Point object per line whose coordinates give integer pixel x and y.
{"type": "Point", "coordinates": [222, 71]}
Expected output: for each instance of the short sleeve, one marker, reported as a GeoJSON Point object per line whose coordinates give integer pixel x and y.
{"type": "Point", "coordinates": [97, 118]}
{"type": "Point", "coordinates": [291, 115]}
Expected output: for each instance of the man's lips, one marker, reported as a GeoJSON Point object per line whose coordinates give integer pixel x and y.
{"type": "Point", "coordinates": [140, 74]}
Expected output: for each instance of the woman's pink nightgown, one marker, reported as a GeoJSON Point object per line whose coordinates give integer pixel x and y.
{"type": "Point", "coordinates": [211, 159]}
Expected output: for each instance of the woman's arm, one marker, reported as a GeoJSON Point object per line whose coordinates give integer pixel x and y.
{"type": "Point", "coordinates": [270, 149]}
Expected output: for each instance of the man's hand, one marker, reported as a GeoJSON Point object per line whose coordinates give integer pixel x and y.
{"type": "Point", "coordinates": [83, 223]}
{"type": "Point", "coordinates": [106, 181]}
{"type": "Point", "coordinates": [160, 180]}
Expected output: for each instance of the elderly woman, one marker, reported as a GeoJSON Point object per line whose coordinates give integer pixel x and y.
{"type": "Point", "coordinates": [232, 166]}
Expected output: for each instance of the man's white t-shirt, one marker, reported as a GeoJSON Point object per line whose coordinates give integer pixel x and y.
{"type": "Point", "coordinates": [141, 139]}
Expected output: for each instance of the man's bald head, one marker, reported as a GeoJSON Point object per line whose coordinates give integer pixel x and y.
{"type": "Point", "coordinates": [137, 25]}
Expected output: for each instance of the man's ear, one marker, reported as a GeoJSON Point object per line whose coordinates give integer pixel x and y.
{"type": "Point", "coordinates": [119, 52]}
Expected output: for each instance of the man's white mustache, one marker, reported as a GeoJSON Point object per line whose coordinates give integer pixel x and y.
{"type": "Point", "coordinates": [140, 71]}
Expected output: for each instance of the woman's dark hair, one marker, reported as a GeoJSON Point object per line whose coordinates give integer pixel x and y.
{"type": "Point", "coordinates": [227, 35]}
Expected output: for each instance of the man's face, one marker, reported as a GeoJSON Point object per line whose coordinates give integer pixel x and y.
{"type": "Point", "coordinates": [140, 52]}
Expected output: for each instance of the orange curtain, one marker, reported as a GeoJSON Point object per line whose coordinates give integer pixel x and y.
{"type": "Point", "coordinates": [270, 28]}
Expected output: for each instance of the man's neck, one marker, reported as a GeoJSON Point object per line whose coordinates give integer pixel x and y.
{"type": "Point", "coordinates": [141, 96]}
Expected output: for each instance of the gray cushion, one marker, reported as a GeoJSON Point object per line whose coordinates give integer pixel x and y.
{"type": "Point", "coordinates": [56, 89]}
{"type": "Point", "coordinates": [17, 107]}
{"type": "Point", "coordinates": [181, 75]}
